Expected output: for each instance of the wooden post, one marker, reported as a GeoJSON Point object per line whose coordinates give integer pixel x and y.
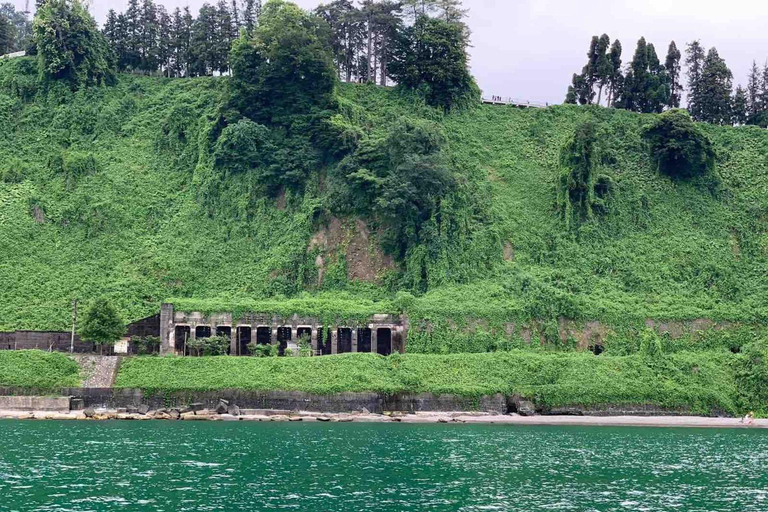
{"type": "Point", "coordinates": [74, 324]}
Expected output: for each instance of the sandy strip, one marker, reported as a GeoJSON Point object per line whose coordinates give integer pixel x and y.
{"type": "Point", "coordinates": [420, 418]}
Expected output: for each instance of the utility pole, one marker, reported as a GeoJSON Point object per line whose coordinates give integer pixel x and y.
{"type": "Point", "coordinates": [74, 323]}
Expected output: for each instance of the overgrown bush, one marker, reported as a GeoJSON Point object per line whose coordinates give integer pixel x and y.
{"type": "Point", "coordinates": [582, 192]}
{"type": "Point", "coordinates": [679, 147]}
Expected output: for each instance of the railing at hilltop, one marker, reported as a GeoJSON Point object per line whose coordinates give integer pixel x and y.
{"type": "Point", "coordinates": [516, 102]}
{"type": "Point", "coordinates": [13, 55]}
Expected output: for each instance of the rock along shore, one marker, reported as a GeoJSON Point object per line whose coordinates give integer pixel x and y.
{"type": "Point", "coordinates": [389, 417]}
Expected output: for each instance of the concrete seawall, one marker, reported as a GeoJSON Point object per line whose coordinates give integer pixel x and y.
{"type": "Point", "coordinates": [115, 398]}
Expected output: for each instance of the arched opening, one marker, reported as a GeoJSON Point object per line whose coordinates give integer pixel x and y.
{"type": "Point", "coordinates": [243, 340]}
{"type": "Point", "coordinates": [263, 335]}
{"type": "Point", "coordinates": [324, 341]}
{"type": "Point", "coordinates": [304, 334]}
{"type": "Point", "coordinates": [283, 337]}
{"type": "Point", "coordinates": [343, 340]}
{"type": "Point", "coordinates": [181, 335]}
{"type": "Point", "coordinates": [203, 331]}
{"type": "Point", "coordinates": [364, 339]}
{"type": "Point", "coordinates": [384, 341]}
{"type": "Point", "coordinates": [596, 349]}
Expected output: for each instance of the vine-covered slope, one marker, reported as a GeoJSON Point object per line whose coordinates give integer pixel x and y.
{"type": "Point", "coordinates": [104, 192]}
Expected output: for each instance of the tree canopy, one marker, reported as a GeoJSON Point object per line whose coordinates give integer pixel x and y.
{"type": "Point", "coordinates": [70, 46]}
{"type": "Point", "coordinates": [101, 323]}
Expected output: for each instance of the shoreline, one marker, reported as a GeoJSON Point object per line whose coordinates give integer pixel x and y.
{"type": "Point", "coordinates": [395, 417]}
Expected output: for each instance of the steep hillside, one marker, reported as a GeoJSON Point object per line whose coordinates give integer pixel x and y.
{"type": "Point", "coordinates": [105, 192]}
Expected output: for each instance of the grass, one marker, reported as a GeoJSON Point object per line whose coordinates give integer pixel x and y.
{"type": "Point", "coordinates": [699, 381]}
{"type": "Point", "coordinates": [38, 369]}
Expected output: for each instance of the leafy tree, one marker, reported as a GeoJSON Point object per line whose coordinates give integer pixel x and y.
{"type": "Point", "coordinates": [715, 90]}
{"type": "Point", "coordinates": [242, 147]}
{"type": "Point", "coordinates": [285, 69]}
{"type": "Point", "coordinates": [431, 56]}
{"type": "Point", "coordinates": [581, 191]}
{"type": "Point", "coordinates": [672, 65]}
{"type": "Point", "coordinates": [102, 324]}
{"type": "Point", "coordinates": [739, 102]}
{"type": "Point", "coordinates": [679, 147]}
{"type": "Point", "coordinates": [70, 47]}
{"type": "Point", "coordinates": [694, 60]}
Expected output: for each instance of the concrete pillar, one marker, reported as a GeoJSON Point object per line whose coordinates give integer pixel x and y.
{"type": "Point", "coordinates": [334, 340]}
{"type": "Point", "coordinates": [254, 332]}
{"type": "Point", "coordinates": [313, 339]}
{"type": "Point", "coordinates": [167, 328]}
{"type": "Point", "coordinates": [374, 339]}
{"type": "Point", "coordinates": [273, 338]}
{"type": "Point", "coordinates": [354, 339]}
{"type": "Point", "coordinates": [234, 346]}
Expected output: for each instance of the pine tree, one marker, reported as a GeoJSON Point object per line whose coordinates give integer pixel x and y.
{"type": "Point", "coordinates": [739, 106]}
{"type": "Point", "coordinates": [672, 65]}
{"type": "Point", "coordinates": [133, 22]}
{"type": "Point", "coordinates": [694, 61]}
{"type": "Point", "coordinates": [753, 91]}
{"type": "Point", "coordinates": [451, 10]}
{"type": "Point", "coordinates": [249, 16]}
{"type": "Point", "coordinates": [165, 41]}
{"type": "Point", "coordinates": [762, 113]}
{"type": "Point", "coordinates": [715, 89]}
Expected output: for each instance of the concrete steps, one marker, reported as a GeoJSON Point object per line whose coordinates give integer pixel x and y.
{"type": "Point", "coordinates": [98, 371]}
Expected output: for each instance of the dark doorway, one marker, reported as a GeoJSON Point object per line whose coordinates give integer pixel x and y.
{"type": "Point", "coordinates": [343, 340]}
{"type": "Point", "coordinates": [384, 341]}
{"type": "Point", "coordinates": [324, 341]}
{"type": "Point", "coordinates": [283, 337]}
{"type": "Point", "coordinates": [263, 335]}
{"type": "Point", "coordinates": [364, 339]}
{"type": "Point", "coordinates": [181, 335]}
{"type": "Point", "coordinates": [224, 331]}
{"type": "Point", "coordinates": [203, 331]}
{"type": "Point", "coordinates": [243, 339]}
{"type": "Point", "coordinates": [304, 334]}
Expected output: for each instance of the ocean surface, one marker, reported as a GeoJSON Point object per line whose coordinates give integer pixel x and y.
{"type": "Point", "coordinates": [200, 466]}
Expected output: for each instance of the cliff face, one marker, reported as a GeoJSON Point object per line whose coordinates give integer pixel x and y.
{"type": "Point", "coordinates": [103, 193]}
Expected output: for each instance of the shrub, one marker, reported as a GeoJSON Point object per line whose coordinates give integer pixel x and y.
{"type": "Point", "coordinates": [679, 147]}
{"type": "Point", "coordinates": [211, 346]}
{"type": "Point", "coordinates": [260, 350]}
{"type": "Point", "coordinates": [146, 344]}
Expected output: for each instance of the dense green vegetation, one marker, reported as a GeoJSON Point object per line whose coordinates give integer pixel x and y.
{"type": "Point", "coordinates": [103, 193]}
{"type": "Point", "coordinates": [38, 369]}
{"type": "Point", "coordinates": [701, 382]}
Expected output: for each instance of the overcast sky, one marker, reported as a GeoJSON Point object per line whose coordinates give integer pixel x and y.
{"type": "Point", "coordinates": [530, 48]}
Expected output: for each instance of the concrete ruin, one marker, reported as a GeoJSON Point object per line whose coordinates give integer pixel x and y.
{"type": "Point", "coordinates": [380, 334]}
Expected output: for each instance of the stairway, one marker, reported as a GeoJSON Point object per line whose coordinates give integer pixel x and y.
{"type": "Point", "coordinates": [97, 371]}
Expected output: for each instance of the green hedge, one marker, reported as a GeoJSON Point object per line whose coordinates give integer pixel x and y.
{"type": "Point", "coordinates": [38, 369]}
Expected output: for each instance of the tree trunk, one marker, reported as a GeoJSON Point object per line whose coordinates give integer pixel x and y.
{"type": "Point", "coordinates": [370, 50]}
{"type": "Point", "coordinates": [599, 93]}
{"type": "Point", "coordinates": [375, 58]}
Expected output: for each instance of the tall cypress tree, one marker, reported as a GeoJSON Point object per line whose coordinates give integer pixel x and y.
{"type": "Point", "coordinates": [715, 89]}
{"type": "Point", "coordinates": [694, 61]}
{"type": "Point", "coordinates": [616, 77]}
{"type": "Point", "coordinates": [672, 65]}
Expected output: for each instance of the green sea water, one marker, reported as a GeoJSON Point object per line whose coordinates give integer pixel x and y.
{"type": "Point", "coordinates": [174, 466]}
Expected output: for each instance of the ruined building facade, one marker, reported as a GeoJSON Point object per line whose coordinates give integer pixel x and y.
{"type": "Point", "coordinates": [382, 334]}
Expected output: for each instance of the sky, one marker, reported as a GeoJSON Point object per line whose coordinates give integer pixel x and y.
{"type": "Point", "coordinates": [529, 49]}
